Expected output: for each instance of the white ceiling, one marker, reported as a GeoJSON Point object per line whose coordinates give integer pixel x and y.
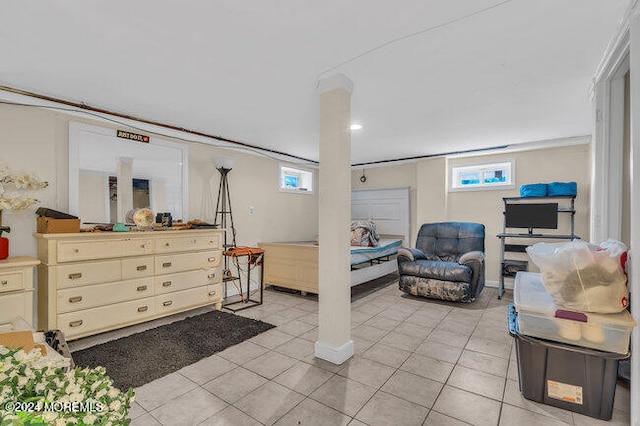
{"type": "Point", "coordinates": [247, 70]}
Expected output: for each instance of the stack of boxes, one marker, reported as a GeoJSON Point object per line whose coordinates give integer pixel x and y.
{"type": "Point", "coordinates": [566, 358]}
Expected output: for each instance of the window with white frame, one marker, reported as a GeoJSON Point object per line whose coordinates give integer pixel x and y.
{"type": "Point", "coordinates": [482, 176]}
{"type": "Point", "coordinates": [296, 180]}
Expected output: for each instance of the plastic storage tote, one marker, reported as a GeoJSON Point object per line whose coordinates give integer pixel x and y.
{"type": "Point", "coordinates": [539, 316]}
{"type": "Point", "coordinates": [564, 376]}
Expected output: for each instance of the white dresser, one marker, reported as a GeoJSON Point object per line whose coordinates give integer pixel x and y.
{"type": "Point", "coordinates": [94, 282]}
{"type": "Point", "coordinates": [16, 290]}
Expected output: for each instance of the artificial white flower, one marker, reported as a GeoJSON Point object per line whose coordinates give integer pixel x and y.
{"type": "Point", "coordinates": [89, 419]}
{"type": "Point", "coordinates": [115, 405]}
{"type": "Point", "coordinates": [113, 392]}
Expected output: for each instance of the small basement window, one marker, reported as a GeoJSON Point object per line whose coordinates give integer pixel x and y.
{"type": "Point", "coordinates": [482, 176]}
{"type": "Point", "coordinates": [296, 180]}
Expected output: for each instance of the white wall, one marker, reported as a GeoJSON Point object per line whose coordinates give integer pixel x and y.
{"type": "Point", "coordinates": [37, 140]}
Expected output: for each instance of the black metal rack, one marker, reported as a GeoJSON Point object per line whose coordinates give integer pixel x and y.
{"type": "Point", "coordinates": [521, 248]}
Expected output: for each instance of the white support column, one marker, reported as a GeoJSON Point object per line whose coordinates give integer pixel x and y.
{"type": "Point", "coordinates": [125, 187]}
{"type": "Point", "coordinates": [334, 281]}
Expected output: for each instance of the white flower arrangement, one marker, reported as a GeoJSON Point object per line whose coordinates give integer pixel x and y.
{"type": "Point", "coordinates": [12, 182]}
{"type": "Point", "coordinates": [37, 390]}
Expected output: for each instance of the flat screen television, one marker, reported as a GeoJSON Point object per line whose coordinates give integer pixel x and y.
{"type": "Point", "coordinates": [531, 215]}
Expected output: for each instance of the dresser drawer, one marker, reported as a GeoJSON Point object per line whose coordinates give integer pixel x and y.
{"type": "Point", "coordinates": [80, 323]}
{"type": "Point", "coordinates": [78, 298]}
{"type": "Point", "coordinates": [14, 305]}
{"type": "Point", "coordinates": [181, 300]}
{"type": "Point", "coordinates": [69, 251]}
{"type": "Point", "coordinates": [11, 280]}
{"type": "Point", "coordinates": [136, 247]}
{"type": "Point", "coordinates": [172, 263]}
{"type": "Point", "coordinates": [193, 242]}
{"type": "Point", "coordinates": [214, 293]}
{"type": "Point", "coordinates": [137, 268]}
{"type": "Point", "coordinates": [184, 280]}
{"type": "Point", "coordinates": [80, 274]}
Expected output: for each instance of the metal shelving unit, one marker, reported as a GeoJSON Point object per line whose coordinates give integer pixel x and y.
{"type": "Point", "coordinates": [521, 248]}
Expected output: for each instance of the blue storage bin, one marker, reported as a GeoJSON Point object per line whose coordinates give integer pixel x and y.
{"type": "Point", "coordinates": [555, 189]}
{"type": "Point", "coordinates": [533, 190]}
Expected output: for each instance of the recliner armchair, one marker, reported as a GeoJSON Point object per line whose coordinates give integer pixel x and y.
{"type": "Point", "coordinates": [447, 263]}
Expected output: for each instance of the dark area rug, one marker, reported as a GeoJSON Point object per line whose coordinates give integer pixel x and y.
{"type": "Point", "coordinates": [357, 292]}
{"type": "Point", "coordinates": [141, 358]}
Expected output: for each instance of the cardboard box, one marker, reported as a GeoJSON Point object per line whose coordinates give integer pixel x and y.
{"type": "Point", "coordinates": [49, 225]}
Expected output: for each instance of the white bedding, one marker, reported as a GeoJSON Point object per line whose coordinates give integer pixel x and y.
{"type": "Point", "coordinates": [386, 247]}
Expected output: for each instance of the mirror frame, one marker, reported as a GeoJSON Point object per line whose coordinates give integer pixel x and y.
{"type": "Point", "coordinates": [75, 131]}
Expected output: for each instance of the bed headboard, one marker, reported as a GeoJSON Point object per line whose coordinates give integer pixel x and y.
{"type": "Point", "coordinates": [388, 208]}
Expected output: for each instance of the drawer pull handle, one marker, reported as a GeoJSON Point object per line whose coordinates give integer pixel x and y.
{"type": "Point", "coordinates": [5, 282]}
{"type": "Point", "coordinates": [75, 299]}
{"type": "Point", "coordinates": [211, 276]}
{"type": "Point", "coordinates": [167, 244]}
{"type": "Point", "coordinates": [76, 250]}
{"type": "Point", "coordinates": [143, 245]}
{"type": "Point", "coordinates": [212, 293]}
{"type": "Point", "coordinates": [75, 276]}
{"type": "Point", "coordinates": [168, 303]}
{"type": "Point", "coordinates": [141, 288]}
{"type": "Point", "coordinates": [77, 323]}
{"type": "Point", "coordinates": [166, 284]}
{"type": "Point", "coordinates": [212, 259]}
{"type": "Point", "coordinates": [143, 308]}
{"type": "Point", "coordinates": [166, 265]}
{"type": "Point", "coordinates": [141, 268]}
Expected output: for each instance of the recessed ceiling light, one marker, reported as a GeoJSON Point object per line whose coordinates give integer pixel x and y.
{"type": "Point", "coordinates": [356, 126]}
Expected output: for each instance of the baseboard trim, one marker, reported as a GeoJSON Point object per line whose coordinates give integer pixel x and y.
{"type": "Point", "coordinates": [496, 284]}
{"type": "Point", "coordinates": [332, 354]}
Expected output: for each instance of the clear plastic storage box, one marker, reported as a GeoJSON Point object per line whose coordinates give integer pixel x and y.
{"type": "Point", "coordinates": [539, 316]}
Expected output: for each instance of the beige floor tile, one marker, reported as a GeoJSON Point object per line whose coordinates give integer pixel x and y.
{"type": "Point", "coordinates": [483, 362]}
{"type": "Point", "coordinates": [425, 318]}
{"type": "Point", "coordinates": [230, 416]}
{"type": "Point", "coordinates": [475, 381]}
{"type": "Point", "coordinates": [235, 384]}
{"type": "Point", "coordinates": [386, 355]}
{"type": "Point", "coordinates": [269, 403]}
{"type": "Point", "coordinates": [311, 335]}
{"type": "Point", "coordinates": [436, 419]}
{"type": "Point", "coordinates": [518, 416]}
{"type": "Point", "coordinates": [189, 409]}
{"type": "Point", "coordinates": [344, 395]}
{"type": "Point", "coordinates": [465, 327]}
{"type": "Point", "coordinates": [430, 368]}
{"type": "Point", "coordinates": [439, 351]}
{"type": "Point", "coordinates": [271, 339]}
{"type": "Point", "coordinates": [402, 341]}
{"type": "Point", "coordinates": [312, 413]}
{"type": "Point", "coordinates": [382, 323]}
{"type": "Point", "coordinates": [491, 333]}
{"type": "Point", "coordinates": [303, 378]}
{"type": "Point", "coordinates": [622, 400]}
{"type": "Point", "coordinates": [321, 363]}
{"type": "Point", "coordinates": [358, 317]}
{"type": "Point", "coordinates": [619, 418]}
{"type": "Point", "coordinates": [366, 371]}
{"type": "Point", "coordinates": [356, 422]}
{"type": "Point", "coordinates": [135, 410]}
{"type": "Point", "coordinates": [513, 396]}
{"type": "Point", "coordinates": [370, 309]}
{"type": "Point", "coordinates": [413, 388]}
{"type": "Point", "coordinates": [243, 352]}
{"type": "Point", "coordinates": [145, 420]}
{"type": "Point", "coordinates": [297, 348]}
{"type": "Point", "coordinates": [207, 369]}
{"type": "Point", "coordinates": [367, 332]}
{"type": "Point", "coordinates": [413, 330]}
{"type": "Point", "coordinates": [512, 372]}
{"type": "Point", "coordinates": [360, 345]}
{"type": "Point", "coordinates": [450, 338]}
{"type": "Point", "coordinates": [397, 314]}
{"type": "Point", "coordinates": [490, 347]}
{"type": "Point", "coordinates": [160, 391]}
{"type": "Point", "coordinates": [468, 407]}
{"type": "Point", "coordinates": [387, 410]}
{"type": "Point", "coordinates": [295, 327]}
{"type": "Point", "coordinates": [310, 319]}
{"type": "Point", "coordinates": [270, 364]}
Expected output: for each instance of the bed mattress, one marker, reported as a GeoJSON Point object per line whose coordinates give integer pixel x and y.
{"type": "Point", "coordinates": [387, 247]}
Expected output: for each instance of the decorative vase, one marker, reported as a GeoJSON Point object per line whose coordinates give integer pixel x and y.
{"type": "Point", "coordinates": [4, 248]}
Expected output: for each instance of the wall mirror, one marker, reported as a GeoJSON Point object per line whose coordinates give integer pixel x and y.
{"type": "Point", "coordinates": [154, 175]}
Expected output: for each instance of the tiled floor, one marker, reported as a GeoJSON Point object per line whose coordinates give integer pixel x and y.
{"type": "Point", "coordinates": [417, 362]}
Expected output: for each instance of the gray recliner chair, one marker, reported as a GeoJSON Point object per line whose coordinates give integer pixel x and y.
{"type": "Point", "coordinates": [447, 263]}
